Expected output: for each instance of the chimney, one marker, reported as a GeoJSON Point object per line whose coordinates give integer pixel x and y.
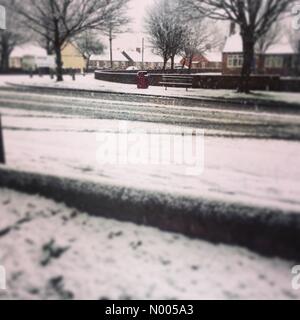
{"type": "Point", "coordinates": [208, 47]}
{"type": "Point", "coordinates": [232, 29]}
{"type": "Point", "coordinates": [138, 50]}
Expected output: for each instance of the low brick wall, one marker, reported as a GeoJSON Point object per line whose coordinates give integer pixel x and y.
{"type": "Point", "coordinates": [290, 85]}
{"type": "Point", "coordinates": [272, 83]}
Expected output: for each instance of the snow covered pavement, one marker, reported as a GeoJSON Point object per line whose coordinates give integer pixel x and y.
{"type": "Point", "coordinates": [90, 83]}
{"type": "Point", "coordinates": [251, 171]}
{"type": "Point", "coordinates": [50, 251]}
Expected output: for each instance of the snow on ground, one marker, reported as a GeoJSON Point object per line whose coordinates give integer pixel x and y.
{"type": "Point", "coordinates": [54, 252]}
{"type": "Point", "coordinates": [89, 83]}
{"type": "Point", "coordinates": [257, 172]}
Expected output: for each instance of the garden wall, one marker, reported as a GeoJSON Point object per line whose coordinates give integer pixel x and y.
{"type": "Point", "coordinates": [257, 82]}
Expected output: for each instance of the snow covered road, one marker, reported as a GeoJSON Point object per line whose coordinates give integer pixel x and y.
{"type": "Point", "coordinates": [54, 252]}
{"type": "Point", "coordinates": [225, 119]}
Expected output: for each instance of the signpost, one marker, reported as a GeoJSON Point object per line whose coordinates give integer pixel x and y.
{"type": "Point", "coordinates": [2, 18]}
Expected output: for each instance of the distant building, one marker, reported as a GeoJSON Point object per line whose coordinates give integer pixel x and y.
{"type": "Point", "coordinates": [30, 57]}
{"type": "Point", "coordinates": [72, 58]}
{"type": "Point", "coordinates": [129, 58]}
{"type": "Point", "coordinates": [279, 59]}
{"type": "Point", "coordinates": [205, 61]}
{"type": "Point", "coordinates": [150, 60]}
{"type": "Point", "coordinates": [102, 61]}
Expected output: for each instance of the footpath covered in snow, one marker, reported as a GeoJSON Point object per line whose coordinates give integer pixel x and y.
{"type": "Point", "coordinates": [54, 252]}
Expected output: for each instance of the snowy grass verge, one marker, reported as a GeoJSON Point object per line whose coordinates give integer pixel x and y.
{"type": "Point", "coordinates": [267, 231]}
{"type": "Point", "coordinates": [54, 252]}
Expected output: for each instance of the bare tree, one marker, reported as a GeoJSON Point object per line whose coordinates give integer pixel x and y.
{"type": "Point", "coordinates": [116, 24]}
{"type": "Point", "coordinates": [58, 21]}
{"type": "Point", "coordinates": [270, 38]}
{"type": "Point", "coordinates": [254, 17]}
{"type": "Point", "coordinates": [11, 37]}
{"type": "Point", "coordinates": [166, 32]}
{"type": "Point", "coordinates": [200, 38]}
{"type": "Point", "coordinates": [89, 44]}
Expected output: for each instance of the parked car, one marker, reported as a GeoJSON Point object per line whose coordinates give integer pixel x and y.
{"type": "Point", "coordinates": [132, 68]}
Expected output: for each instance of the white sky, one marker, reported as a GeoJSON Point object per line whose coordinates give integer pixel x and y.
{"type": "Point", "coordinates": [137, 11]}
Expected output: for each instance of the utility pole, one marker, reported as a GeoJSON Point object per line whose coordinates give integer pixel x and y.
{"type": "Point", "coordinates": [110, 47]}
{"type": "Point", "coordinates": [143, 52]}
{"type": "Point", "coordinates": [2, 28]}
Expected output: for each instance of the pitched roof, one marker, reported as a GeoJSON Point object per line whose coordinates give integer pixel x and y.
{"type": "Point", "coordinates": [281, 48]}
{"type": "Point", "coordinates": [28, 49]}
{"type": "Point", "coordinates": [105, 56]}
{"type": "Point", "coordinates": [213, 56]}
{"type": "Point", "coordinates": [234, 44]}
{"type": "Point", "coordinates": [149, 56]}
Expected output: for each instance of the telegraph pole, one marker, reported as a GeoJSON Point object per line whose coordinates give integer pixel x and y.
{"type": "Point", "coordinates": [143, 52]}
{"type": "Point", "coordinates": [2, 28]}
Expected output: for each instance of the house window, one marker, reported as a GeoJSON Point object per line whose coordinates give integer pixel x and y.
{"type": "Point", "coordinates": [235, 61]}
{"type": "Point", "coordinates": [275, 62]}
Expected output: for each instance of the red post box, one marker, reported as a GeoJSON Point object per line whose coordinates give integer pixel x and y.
{"type": "Point", "coordinates": [142, 80]}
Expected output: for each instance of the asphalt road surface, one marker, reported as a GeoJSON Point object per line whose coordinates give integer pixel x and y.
{"type": "Point", "coordinates": [218, 120]}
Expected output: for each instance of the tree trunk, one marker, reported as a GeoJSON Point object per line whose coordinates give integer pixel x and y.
{"type": "Point", "coordinates": [4, 61]}
{"type": "Point", "coordinates": [87, 64]}
{"type": "Point", "coordinates": [249, 59]}
{"type": "Point", "coordinates": [165, 64]}
{"type": "Point", "coordinates": [57, 50]}
{"type": "Point", "coordinates": [59, 67]}
{"type": "Point", "coordinates": [5, 52]}
{"type": "Point", "coordinates": [191, 62]}
{"type": "Point", "coordinates": [172, 63]}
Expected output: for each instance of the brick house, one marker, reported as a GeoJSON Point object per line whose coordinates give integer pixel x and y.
{"type": "Point", "coordinates": [279, 59]}
{"type": "Point", "coordinates": [208, 60]}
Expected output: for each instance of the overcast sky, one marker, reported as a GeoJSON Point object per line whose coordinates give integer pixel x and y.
{"type": "Point", "coordinates": [137, 10]}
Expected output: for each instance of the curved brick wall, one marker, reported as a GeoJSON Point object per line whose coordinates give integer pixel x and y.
{"type": "Point", "coordinates": [272, 83]}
